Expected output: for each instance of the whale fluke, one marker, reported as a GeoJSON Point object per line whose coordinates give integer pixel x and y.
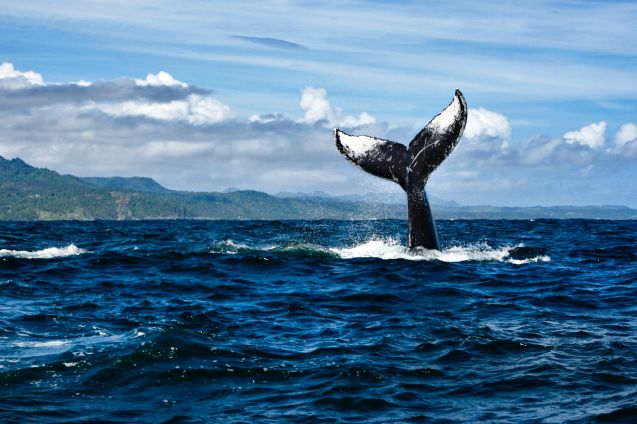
{"type": "Point", "coordinates": [411, 167]}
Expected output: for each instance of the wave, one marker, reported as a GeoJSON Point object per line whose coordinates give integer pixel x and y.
{"type": "Point", "coordinates": [229, 247]}
{"type": "Point", "coordinates": [391, 249]}
{"type": "Point", "coordinates": [30, 348]}
{"type": "Point", "coordinates": [379, 248]}
{"type": "Point", "coordinates": [48, 253]}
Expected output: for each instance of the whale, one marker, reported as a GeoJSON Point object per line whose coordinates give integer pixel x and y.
{"type": "Point", "coordinates": [410, 166]}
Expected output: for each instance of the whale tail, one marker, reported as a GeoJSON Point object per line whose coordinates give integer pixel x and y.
{"type": "Point", "coordinates": [411, 166]}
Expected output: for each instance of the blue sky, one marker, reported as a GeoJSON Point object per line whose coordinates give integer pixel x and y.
{"type": "Point", "coordinates": [250, 92]}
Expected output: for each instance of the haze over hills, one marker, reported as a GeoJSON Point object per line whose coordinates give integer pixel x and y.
{"type": "Point", "coordinates": [29, 193]}
{"type": "Point", "coordinates": [391, 198]}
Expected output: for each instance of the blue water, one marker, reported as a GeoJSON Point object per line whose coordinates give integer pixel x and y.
{"type": "Point", "coordinates": [330, 321]}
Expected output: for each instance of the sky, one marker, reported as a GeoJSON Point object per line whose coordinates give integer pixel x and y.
{"type": "Point", "coordinates": [208, 95]}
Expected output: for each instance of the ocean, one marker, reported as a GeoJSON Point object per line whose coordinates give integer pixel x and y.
{"type": "Point", "coordinates": [317, 321]}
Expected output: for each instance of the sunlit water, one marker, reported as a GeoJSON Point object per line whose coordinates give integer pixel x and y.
{"type": "Point", "coordinates": [329, 321]}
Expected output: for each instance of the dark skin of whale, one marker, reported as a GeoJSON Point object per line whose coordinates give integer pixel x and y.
{"type": "Point", "coordinates": [410, 166]}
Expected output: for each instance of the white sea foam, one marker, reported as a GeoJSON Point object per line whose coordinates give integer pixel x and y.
{"type": "Point", "coordinates": [50, 343]}
{"type": "Point", "coordinates": [48, 253]}
{"type": "Point", "coordinates": [229, 247]}
{"type": "Point", "coordinates": [392, 249]}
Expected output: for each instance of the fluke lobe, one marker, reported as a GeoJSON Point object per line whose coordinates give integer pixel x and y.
{"type": "Point", "coordinates": [411, 166]}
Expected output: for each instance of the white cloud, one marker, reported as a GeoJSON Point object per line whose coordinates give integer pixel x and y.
{"type": "Point", "coordinates": [626, 134]}
{"type": "Point", "coordinates": [316, 106]}
{"type": "Point", "coordinates": [314, 103]}
{"type": "Point", "coordinates": [161, 78]}
{"type": "Point", "coordinates": [363, 118]}
{"type": "Point", "coordinates": [195, 109]}
{"type": "Point", "coordinates": [206, 110]}
{"type": "Point", "coordinates": [485, 126]}
{"type": "Point", "coordinates": [482, 122]}
{"type": "Point", "coordinates": [592, 135]}
{"type": "Point", "coordinates": [10, 78]}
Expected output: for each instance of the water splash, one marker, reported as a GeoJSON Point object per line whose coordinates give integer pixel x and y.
{"type": "Point", "coordinates": [392, 249]}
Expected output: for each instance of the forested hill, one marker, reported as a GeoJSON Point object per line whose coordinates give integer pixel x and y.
{"type": "Point", "coordinates": [28, 193]}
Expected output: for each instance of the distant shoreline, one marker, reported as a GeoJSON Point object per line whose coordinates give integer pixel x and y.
{"type": "Point", "coordinates": [35, 194]}
{"type": "Point", "coordinates": [136, 220]}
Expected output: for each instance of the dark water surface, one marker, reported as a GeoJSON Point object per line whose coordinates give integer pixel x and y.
{"type": "Point", "coordinates": [198, 321]}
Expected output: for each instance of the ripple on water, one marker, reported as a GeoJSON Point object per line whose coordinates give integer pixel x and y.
{"type": "Point", "coordinates": [512, 321]}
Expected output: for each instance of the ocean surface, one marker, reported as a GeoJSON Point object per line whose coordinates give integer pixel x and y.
{"type": "Point", "coordinates": [328, 321]}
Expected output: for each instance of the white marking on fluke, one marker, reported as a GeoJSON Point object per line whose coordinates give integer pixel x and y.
{"type": "Point", "coordinates": [447, 117]}
{"type": "Point", "coordinates": [358, 145]}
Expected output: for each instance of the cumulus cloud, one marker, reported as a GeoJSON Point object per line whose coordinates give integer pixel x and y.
{"type": "Point", "coordinates": [10, 78]}
{"type": "Point", "coordinates": [626, 140]}
{"type": "Point", "coordinates": [627, 133]}
{"type": "Point", "coordinates": [593, 135]}
{"type": "Point", "coordinates": [314, 103]}
{"type": "Point", "coordinates": [159, 79]}
{"type": "Point", "coordinates": [483, 123]}
{"type": "Point", "coordinates": [317, 108]}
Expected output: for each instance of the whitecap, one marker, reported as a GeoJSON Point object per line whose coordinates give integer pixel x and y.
{"type": "Point", "coordinates": [48, 253]}
{"type": "Point", "coordinates": [229, 247]}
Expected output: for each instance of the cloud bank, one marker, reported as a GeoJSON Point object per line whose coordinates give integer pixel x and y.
{"type": "Point", "coordinates": [186, 138]}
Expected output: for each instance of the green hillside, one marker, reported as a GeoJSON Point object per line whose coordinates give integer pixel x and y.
{"type": "Point", "coordinates": [131, 184]}
{"type": "Point", "coordinates": [28, 193]}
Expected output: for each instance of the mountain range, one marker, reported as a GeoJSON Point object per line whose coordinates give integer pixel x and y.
{"type": "Point", "coordinates": [29, 193]}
